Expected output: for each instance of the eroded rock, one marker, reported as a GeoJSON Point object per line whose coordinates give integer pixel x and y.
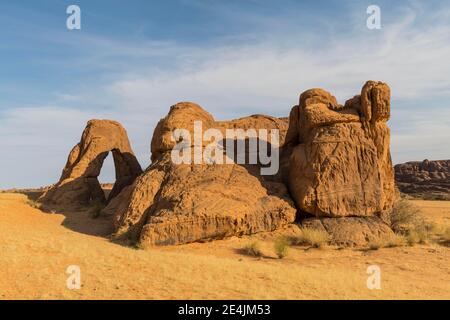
{"type": "Point", "coordinates": [425, 179]}
{"type": "Point", "coordinates": [78, 185]}
{"type": "Point", "coordinates": [340, 163]}
{"type": "Point", "coordinates": [179, 203]}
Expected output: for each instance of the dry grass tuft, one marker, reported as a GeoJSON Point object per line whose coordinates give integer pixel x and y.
{"type": "Point", "coordinates": [313, 237]}
{"type": "Point", "coordinates": [281, 247]}
{"type": "Point", "coordinates": [445, 237]}
{"type": "Point", "coordinates": [396, 240]}
{"type": "Point", "coordinates": [417, 236]}
{"type": "Point", "coordinates": [408, 220]}
{"type": "Point", "coordinates": [252, 249]}
{"type": "Point", "coordinates": [34, 204]}
{"type": "Point", "coordinates": [405, 216]}
{"type": "Point", "coordinates": [375, 245]}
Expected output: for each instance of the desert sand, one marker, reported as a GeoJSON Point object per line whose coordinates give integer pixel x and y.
{"type": "Point", "coordinates": [37, 247]}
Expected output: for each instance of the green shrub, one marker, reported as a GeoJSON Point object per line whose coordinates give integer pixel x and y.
{"type": "Point", "coordinates": [96, 210]}
{"type": "Point", "coordinates": [281, 247]}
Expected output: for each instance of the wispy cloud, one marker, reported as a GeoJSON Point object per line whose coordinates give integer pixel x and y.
{"type": "Point", "coordinates": [235, 76]}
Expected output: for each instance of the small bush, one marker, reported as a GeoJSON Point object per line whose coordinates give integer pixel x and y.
{"type": "Point", "coordinates": [281, 246]}
{"type": "Point", "coordinates": [405, 217]}
{"type": "Point", "coordinates": [446, 235]}
{"type": "Point", "coordinates": [313, 237]}
{"type": "Point", "coordinates": [375, 245]}
{"type": "Point", "coordinates": [396, 241]}
{"type": "Point", "coordinates": [252, 249]}
{"type": "Point", "coordinates": [96, 210]}
{"type": "Point", "coordinates": [34, 204]}
{"type": "Point", "coordinates": [408, 220]}
{"type": "Point", "coordinates": [417, 236]}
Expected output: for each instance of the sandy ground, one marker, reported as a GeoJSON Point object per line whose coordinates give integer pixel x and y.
{"type": "Point", "coordinates": [36, 249]}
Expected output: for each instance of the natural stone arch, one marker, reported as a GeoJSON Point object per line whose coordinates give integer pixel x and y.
{"type": "Point", "coordinates": [79, 185]}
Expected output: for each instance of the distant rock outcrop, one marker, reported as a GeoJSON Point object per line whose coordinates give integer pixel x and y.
{"type": "Point", "coordinates": [78, 185]}
{"type": "Point", "coordinates": [424, 179]}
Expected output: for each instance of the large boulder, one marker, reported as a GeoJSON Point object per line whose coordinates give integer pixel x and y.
{"type": "Point", "coordinates": [352, 231]}
{"type": "Point", "coordinates": [340, 164]}
{"type": "Point", "coordinates": [78, 185]}
{"type": "Point", "coordinates": [180, 203]}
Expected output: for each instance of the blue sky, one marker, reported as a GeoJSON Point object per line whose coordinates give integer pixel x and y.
{"type": "Point", "coordinates": [133, 59]}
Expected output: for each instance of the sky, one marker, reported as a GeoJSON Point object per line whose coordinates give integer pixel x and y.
{"type": "Point", "coordinates": [132, 60]}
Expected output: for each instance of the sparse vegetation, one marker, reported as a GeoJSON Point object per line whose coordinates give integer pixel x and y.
{"type": "Point", "coordinates": [375, 245]}
{"type": "Point", "coordinates": [281, 247]}
{"type": "Point", "coordinates": [97, 210]}
{"type": "Point", "coordinates": [405, 216]}
{"type": "Point", "coordinates": [253, 249]}
{"type": "Point", "coordinates": [445, 237]}
{"type": "Point", "coordinates": [407, 220]}
{"type": "Point", "coordinates": [34, 204]}
{"type": "Point", "coordinates": [417, 236]}
{"type": "Point", "coordinates": [396, 241]}
{"type": "Point", "coordinates": [313, 237]}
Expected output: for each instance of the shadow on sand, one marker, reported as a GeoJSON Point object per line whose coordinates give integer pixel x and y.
{"type": "Point", "coordinates": [82, 220]}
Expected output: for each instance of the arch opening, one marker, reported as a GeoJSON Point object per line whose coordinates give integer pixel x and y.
{"type": "Point", "coordinates": [107, 177]}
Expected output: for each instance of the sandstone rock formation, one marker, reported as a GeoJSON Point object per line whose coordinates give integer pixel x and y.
{"type": "Point", "coordinates": [335, 173]}
{"type": "Point", "coordinates": [340, 163]}
{"type": "Point", "coordinates": [78, 185]}
{"type": "Point", "coordinates": [179, 203]}
{"type": "Point", "coordinates": [426, 179]}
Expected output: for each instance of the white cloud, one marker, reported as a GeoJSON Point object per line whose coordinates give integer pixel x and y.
{"type": "Point", "coordinates": [230, 80]}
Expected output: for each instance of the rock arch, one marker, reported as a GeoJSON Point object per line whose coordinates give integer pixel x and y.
{"type": "Point", "coordinates": [79, 185]}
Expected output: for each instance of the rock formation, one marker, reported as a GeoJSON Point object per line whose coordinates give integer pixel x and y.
{"type": "Point", "coordinates": [78, 185]}
{"type": "Point", "coordinates": [340, 168]}
{"type": "Point", "coordinates": [335, 173]}
{"type": "Point", "coordinates": [426, 179]}
{"type": "Point", "coordinates": [340, 163]}
{"type": "Point", "coordinates": [179, 203]}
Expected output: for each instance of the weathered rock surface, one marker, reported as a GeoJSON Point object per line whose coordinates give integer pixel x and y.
{"type": "Point", "coordinates": [78, 185]}
{"type": "Point", "coordinates": [340, 162]}
{"type": "Point", "coordinates": [174, 204]}
{"type": "Point", "coordinates": [424, 179]}
{"type": "Point", "coordinates": [335, 169]}
{"type": "Point", "coordinates": [352, 231]}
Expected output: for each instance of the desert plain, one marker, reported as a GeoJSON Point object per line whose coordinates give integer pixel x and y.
{"type": "Point", "coordinates": [37, 248]}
